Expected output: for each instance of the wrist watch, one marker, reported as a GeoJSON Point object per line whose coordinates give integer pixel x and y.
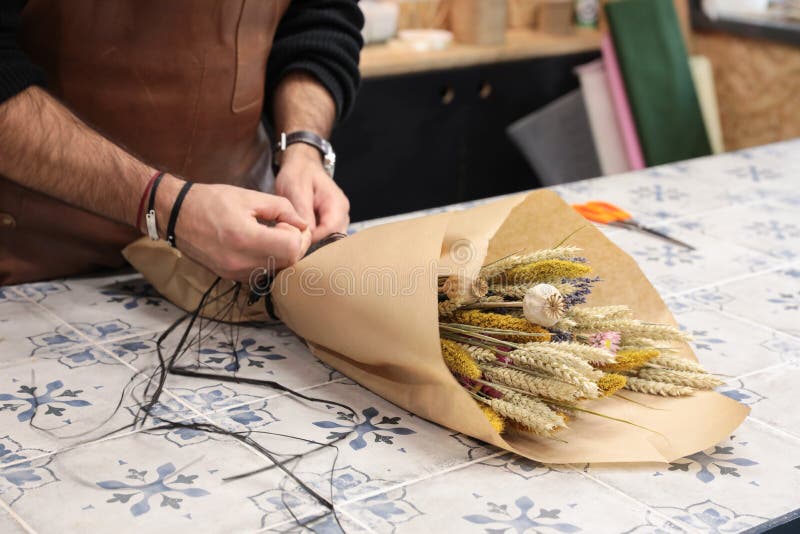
{"type": "Point", "coordinates": [309, 138]}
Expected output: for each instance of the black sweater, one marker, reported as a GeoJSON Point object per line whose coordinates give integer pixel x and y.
{"type": "Point", "coordinates": [321, 37]}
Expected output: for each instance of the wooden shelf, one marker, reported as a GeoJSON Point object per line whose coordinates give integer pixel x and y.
{"type": "Point", "coordinates": [394, 58]}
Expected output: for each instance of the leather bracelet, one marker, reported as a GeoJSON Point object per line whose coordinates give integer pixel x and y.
{"type": "Point", "coordinates": [150, 218]}
{"type": "Point", "coordinates": [173, 216]}
{"type": "Point", "coordinates": [140, 211]}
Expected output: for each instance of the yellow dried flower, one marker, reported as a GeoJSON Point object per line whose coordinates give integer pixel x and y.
{"type": "Point", "coordinates": [630, 359]}
{"type": "Point", "coordinates": [458, 360]}
{"type": "Point", "coordinates": [610, 383]}
{"type": "Point", "coordinates": [497, 421]}
{"type": "Point", "coordinates": [504, 322]}
{"type": "Point", "coordinates": [542, 271]}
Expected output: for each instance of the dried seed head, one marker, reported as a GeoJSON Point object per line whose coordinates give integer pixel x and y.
{"type": "Point", "coordinates": [464, 290]}
{"type": "Point", "coordinates": [543, 305]}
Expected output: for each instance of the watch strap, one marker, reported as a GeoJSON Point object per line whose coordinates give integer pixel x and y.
{"type": "Point", "coordinates": [310, 138]}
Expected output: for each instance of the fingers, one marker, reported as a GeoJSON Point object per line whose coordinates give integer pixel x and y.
{"type": "Point", "coordinates": [300, 192]}
{"type": "Point", "coordinates": [280, 246]}
{"type": "Point", "coordinates": [278, 209]}
{"type": "Point", "coordinates": [333, 209]}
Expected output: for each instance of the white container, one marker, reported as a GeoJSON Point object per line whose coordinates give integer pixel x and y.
{"type": "Point", "coordinates": [426, 40]}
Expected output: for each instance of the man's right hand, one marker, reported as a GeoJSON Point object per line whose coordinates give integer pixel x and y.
{"type": "Point", "coordinates": [226, 228]}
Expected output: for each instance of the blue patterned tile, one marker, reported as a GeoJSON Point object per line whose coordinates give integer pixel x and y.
{"type": "Point", "coordinates": [772, 299]}
{"type": "Point", "coordinates": [769, 227]}
{"type": "Point", "coordinates": [8, 524]}
{"type": "Point", "coordinates": [46, 406]}
{"type": "Point", "coordinates": [674, 269]}
{"type": "Point", "coordinates": [728, 346]}
{"type": "Point", "coordinates": [125, 298]}
{"type": "Point", "coordinates": [729, 487]}
{"type": "Point", "coordinates": [772, 396]}
{"type": "Point", "coordinates": [270, 353]}
{"type": "Point", "coordinates": [144, 483]}
{"type": "Point", "coordinates": [387, 444]}
{"type": "Point", "coordinates": [491, 497]}
{"type": "Point", "coordinates": [21, 322]}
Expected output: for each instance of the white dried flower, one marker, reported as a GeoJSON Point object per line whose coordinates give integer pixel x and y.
{"type": "Point", "coordinates": [543, 305]}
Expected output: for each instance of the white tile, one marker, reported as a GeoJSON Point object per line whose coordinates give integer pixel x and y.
{"type": "Point", "coordinates": [46, 406]}
{"type": "Point", "coordinates": [268, 353]}
{"type": "Point", "coordinates": [145, 483]}
{"type": "Point", "coordinates": [496, 496]}
{"type": "Point", "coordinates": [772, 396]}
{"type": "Point", "coordinates": [379, 446]}
{"type": "Point", "coordinates": [111, 307]}
{"type": "Point", "coordinates": [24, 328]}
{"type": "Point", "coordinates": [731, 347]}
{"type": "Point", "coordinates": [9, 524]}
{"type": "Point", "coordinates": [674, 269]}
{"type": "Point", "coordinates": [730, 487]}
{"type": "Point", "coordinates": [769, 227]}
{"type": "Point", "coordinates": [771, 299]}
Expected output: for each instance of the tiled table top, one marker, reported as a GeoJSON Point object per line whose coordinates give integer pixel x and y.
{"type": "Point", "coordinates": [70, 349]}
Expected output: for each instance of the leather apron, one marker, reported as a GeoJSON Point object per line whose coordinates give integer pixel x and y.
{"type": "Point", "coordinates": [178, 83]}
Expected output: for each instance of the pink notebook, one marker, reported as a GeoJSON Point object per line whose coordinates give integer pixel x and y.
{"type": "Point", "coordinates": [621, 107]}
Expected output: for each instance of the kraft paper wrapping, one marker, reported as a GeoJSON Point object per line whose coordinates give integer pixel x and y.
{"type": "Point", "coordinates": [384, 334]}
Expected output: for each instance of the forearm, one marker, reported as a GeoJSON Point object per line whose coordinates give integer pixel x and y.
{"type": "Point", "coordinates": [44, 147]}
{"type": "Point", "coordinates": [302, 103]}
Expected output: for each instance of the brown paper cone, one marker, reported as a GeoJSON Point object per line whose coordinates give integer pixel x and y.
{"type": "Point", "coordinates": [367, 306]}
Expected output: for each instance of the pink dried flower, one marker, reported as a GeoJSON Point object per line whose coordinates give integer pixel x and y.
{"type": "Point", "coordinates": [606, 340]}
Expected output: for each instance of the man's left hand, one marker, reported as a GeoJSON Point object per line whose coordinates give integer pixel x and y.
{"type": "Point", "coordinates": [316, 197]}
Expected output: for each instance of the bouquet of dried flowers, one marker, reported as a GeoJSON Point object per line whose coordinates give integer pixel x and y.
{"type": "Point", "coordinates": [518, 339]}
{"type": "Point", "coordinates": [453, 318]}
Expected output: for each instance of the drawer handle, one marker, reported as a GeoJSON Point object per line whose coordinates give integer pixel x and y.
{"type": "Point", "coordinates": [485, 90]}
{"type": "Point", "coordinates": [448, 95]}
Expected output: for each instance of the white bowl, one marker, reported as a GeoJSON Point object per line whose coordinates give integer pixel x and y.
{"type": "Point", "coordinates": [426, 40]}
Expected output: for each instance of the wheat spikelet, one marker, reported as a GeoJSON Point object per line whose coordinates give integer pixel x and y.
{"type": "Point", "coordinates": [657, 388]}
{"type": "Point", "coordinates": [680, 378]}
{"type": "Point", "coordinates": [564, 367]}
{"type": "Point", "coordinates": [536, 385]}
{"type": "Point", "coordinates": [516, 291]}
{"type": "Point", "coordinates": [594, 316]}
{"type": "Point", "coordinates": [500, 266]}
{"type": "Point", "coordinates": [631, 328]}
{"type": "Point", "coordinates": [585, 352]}
{"type": "Point", "coordinates": [533, 414]}
{"type": "Point", "coordinates": [669, 361]}
{"type": "Point", "coordinates": [479, 354]}
{"type": "Point", "coordinates": [549, 351]}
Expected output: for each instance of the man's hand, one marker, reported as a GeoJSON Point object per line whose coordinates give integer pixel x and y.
{"type": "Point", "coordinates": [316, 197]}
{"type": "Point", "coordinates": [223, 227]}
{"type": "Point", "coordinates": [302, 103]}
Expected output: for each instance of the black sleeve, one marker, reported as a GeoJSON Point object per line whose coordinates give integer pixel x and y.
{"type": "Point", "coordinates": [322, 38]}
{"type": "Point", "coordinates": [17, 72]}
